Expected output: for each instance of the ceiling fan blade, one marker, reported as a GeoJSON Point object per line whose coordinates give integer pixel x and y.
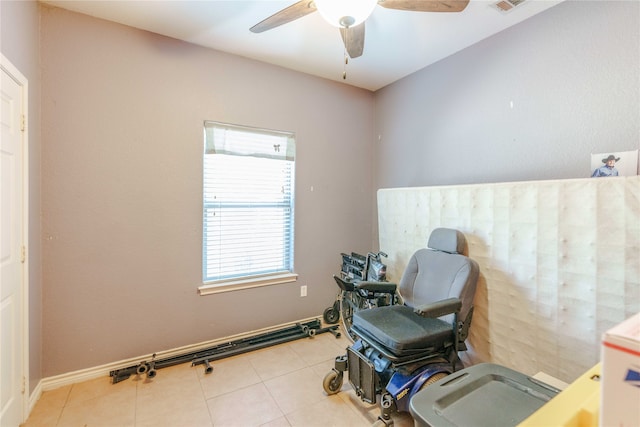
{"type": "Point", "coordinates": [425, 5]}
{"type": "Point", "coordinates": [353, 39]}
{"type": "Point", "coordinates": [291, 13]}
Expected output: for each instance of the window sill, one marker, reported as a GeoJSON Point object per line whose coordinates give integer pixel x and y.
{"type": "Point", "coordinates": [238, 284]}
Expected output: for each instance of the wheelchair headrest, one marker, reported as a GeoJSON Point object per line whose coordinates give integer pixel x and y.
{"type": "Point", "coordinates": [447, 240]}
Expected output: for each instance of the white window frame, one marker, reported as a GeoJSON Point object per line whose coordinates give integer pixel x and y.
{"type": "Point", "coordinates": [229, 140]}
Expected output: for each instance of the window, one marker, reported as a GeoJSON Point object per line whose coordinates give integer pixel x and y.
{"type": "Point", "coordinates": [248, 202]}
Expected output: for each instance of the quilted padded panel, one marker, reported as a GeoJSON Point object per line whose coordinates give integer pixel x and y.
{"type": "Point", "coordinates": [559, 263]}
{"type": "Point", "coordinates": [399, 329]}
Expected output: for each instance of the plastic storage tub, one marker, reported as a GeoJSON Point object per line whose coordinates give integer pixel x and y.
{"type": "Point", "coordinates": [484, 395]}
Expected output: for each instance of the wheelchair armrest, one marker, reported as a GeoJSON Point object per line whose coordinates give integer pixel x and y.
{"type": "Point", "coordinates": [463, 329]}
{"type": "Point", "coordinates": [439, 308]}
{"type": "Point", "coordinates": [344, 284]}
{"type": "Point", "coordinates": [381, 287]}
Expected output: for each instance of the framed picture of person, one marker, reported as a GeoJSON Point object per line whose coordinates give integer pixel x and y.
{"type": "Point", "coordinates": [614, 163]}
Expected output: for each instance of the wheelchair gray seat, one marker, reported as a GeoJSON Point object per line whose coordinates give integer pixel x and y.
{"type": "Point", "coordinates": [434, 275]}
{"type": "Point", "coordinates": [401, 331]}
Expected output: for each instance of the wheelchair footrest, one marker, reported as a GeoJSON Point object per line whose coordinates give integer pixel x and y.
{"type": "Point", "coordinates": [362, 375]}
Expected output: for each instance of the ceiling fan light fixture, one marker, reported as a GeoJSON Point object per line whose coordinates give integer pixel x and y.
{"type": "Point", "coordinates": [345, 13]}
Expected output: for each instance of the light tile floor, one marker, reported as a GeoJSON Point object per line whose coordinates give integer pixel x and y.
{"type": "Point", "coordinates": [274, 387]}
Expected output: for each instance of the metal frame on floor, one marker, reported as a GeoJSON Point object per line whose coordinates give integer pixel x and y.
{"type": "Point", "coordinates": [220, 351]}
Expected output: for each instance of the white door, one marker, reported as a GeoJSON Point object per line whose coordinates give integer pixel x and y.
{"type": "Point", "coordinates": [12, 235]}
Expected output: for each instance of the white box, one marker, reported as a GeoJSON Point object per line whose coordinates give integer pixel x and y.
{"type": "Point", "coordinates": [620, 382]}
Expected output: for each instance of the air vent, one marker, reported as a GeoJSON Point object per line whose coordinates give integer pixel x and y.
{"type": "Point", "coordinates": [505, 6]}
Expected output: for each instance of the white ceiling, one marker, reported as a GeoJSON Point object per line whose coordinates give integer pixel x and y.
{"type": "Point", "coordinates": [397, 43]}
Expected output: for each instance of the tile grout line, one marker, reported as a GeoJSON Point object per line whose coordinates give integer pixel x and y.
{"type": "Point", "coordinates": [64, 405]}
{"type": "Point", "coordinates": [135, 407]}
{"type": "Point", "coordinates": [204, 397]}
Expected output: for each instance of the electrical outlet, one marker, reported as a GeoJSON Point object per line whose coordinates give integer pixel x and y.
{"type": "Point", "coordinates": [303, 290]}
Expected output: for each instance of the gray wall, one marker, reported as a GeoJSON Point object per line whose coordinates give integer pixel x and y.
{"type": "Point", "coordinates": [20, 44]}
{"type": "Point", "coordinates": [122, 120]}
{"type": "Point", "coordinates": [572, 73]}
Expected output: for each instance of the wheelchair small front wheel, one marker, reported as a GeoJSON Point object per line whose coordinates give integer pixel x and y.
{"type": "Point", "coordinates": [332, 382]}
{"type": "Point", "coordinates": [331, 315]}
{"type": "Point", "coordinates": [382, 423]}
{"type": "Point", "coordinates": [386, 401]}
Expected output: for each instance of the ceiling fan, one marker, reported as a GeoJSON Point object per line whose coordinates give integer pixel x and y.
{"type": "Point", "coordinates": [349, 15]}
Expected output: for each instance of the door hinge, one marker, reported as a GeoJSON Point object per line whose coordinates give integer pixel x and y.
{"type": "Point", "coordinates": [23, 123]}
{"type": "Point", "coordinates": [23, 254]}
{"type": "Point", "coordinates": [24, 385]}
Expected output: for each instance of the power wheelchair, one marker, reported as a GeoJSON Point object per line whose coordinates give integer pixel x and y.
{"type": "Point", "coordinates": [400, 349]}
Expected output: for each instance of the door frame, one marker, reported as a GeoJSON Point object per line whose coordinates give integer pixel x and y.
{"type": "Point", "coordinates": [18, 77]}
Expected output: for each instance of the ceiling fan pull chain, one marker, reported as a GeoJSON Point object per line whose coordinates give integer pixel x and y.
{"type": "Point", "coordinates": [346, 61]}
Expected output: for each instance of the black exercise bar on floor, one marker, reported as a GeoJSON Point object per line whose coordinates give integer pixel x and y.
{"type": "Point", "coordinates": [228, 349]}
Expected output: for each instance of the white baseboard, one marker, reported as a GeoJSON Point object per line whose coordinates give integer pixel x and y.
{"type": "Point", "coordinates": [74, 377]}
{"type": "Point", "coordinates": [34, 397]}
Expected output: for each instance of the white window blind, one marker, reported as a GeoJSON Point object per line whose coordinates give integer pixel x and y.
{"type": "Point", "coordinates": [248, 202]}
